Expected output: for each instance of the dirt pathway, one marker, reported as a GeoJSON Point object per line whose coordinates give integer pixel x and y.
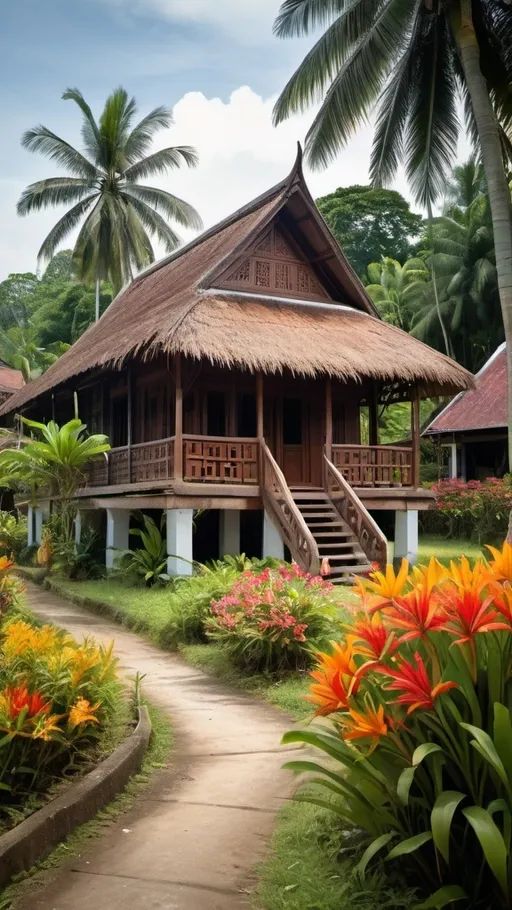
{"type": "Point", "coordinates": [193, 838]}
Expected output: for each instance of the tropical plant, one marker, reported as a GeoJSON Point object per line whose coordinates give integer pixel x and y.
{"type": "Point", "coordinates": [397, 289]}
{"type": "Point", "coordinates": [272, 620]}
{"type": "Point", "coordinates": [418, 692]}
{"type": "Point", "coordinates": [414, 59]}
{"type": "Point", "coordinates": [191, 600]}
{"type": "Point", "coordinates": [472, 510]}
{"type": "Point", "coordinates": [149, 562]}
{"type": "Point", "coordinates": [53, 465]}
{"type": "Point", "coordinates": [57, 698]}
{"type": "Point", "coordinates": [103, 190]}
{"type": "Point", "coordinates": [13, 534]}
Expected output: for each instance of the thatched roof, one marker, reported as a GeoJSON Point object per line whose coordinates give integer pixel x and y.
{"type": "Point", "coordinates": [176, 305]}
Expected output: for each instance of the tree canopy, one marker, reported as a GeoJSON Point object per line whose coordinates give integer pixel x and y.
{"type": "Point", "coordinates": [370, 223]}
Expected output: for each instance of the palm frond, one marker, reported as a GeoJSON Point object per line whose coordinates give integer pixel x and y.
{"type": "Point", "coordinates": [388, 138]}
{"type": "Point", "coordinates": [299, 17]}
{"type": "Point", "coordinates": [114, 129]}
{"type": "Point", "coordinates": [355, 89]}
{"type": "Point", "coordinates": [53, 191]}
{"type": "Point", "coordinates": [172, 206]}
{"type": "Point", "coordinates": [431, 141]}
{"type": "Point", "coordinates": [162, 161]}
{"type": "Point", "coordinates": [41, 139]}
{"type": "Point", "coordinates": [141, 137]}
{"type": "Point", "coordinates": [154, 223]}
{"type": "Point", "coordinates": [323, 62]}
{"type": "Point", "coordinates": [64, 226]}
{"type": "Point", "coordinates": [90, 131]}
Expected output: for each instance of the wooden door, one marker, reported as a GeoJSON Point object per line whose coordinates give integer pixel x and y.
{"type": "Point", "coordinates": [295, 453]}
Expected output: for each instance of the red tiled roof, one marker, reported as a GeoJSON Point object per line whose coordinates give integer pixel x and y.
{"type": "Point", "coordinates": [482, 408]}
{"type": "Point", "coordinates": [10, 380]}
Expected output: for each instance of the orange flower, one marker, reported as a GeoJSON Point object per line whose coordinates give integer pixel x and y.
{"type": "Point", "coordinates": [5, 564]}
{"type": "Point", "coordinates": [377, 639]}
{"type": "Point", "coordinates": [501, 565]}
{"type": "Point", "coordinates": [17, 699]}
{"type": "Point", "coordinates": [418, 612]}
{"type": "Point", "coordinates": [428, 576]}
{"type": "Point", "coordinates": [365, 725]}
{"type": "Point", "coordinates": [335, 678]}
{"type": "Point", "coordinates": [502, 598]}
{"type": "Point", "coordinates": [415, 685]}
{"type": "Point", "coordinates": [325, 568]}
{"type": "Point", "coordinates": [466, 615]}
{"type": "Point", "coordinates": [388, 585]}
{"type": "Point", "coordinates": [46, 726]}
{"type": "Point", "coordinates": [467, 577]}
{"type": "Point", "coordinates": [83, 713]}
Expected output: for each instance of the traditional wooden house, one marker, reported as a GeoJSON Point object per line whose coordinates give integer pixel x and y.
{"type": "Point", "coordinates": [473, 428]}
{"type": "Point", "coordinates": [10, 381]}
{"type": "Point", "coordinates": [231, 376]}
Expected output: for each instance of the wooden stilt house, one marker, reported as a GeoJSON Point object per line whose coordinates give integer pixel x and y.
{"type": "Point", "coordinates": [232, 376]}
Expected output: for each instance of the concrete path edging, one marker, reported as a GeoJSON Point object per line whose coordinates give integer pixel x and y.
{"type": "Point", "coordinates": [36, 836]}
{"type": "Point", "coordinates": [193, 839]}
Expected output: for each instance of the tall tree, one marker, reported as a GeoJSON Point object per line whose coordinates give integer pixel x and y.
{"type": "Point", "coordinates": [396, 289]}
{"type": "Point", "coordinates": [117, 214]}
{"type": "Point", "coordinates": [370, 223]}
{"type": "Point", "coordinates": [414, 58]}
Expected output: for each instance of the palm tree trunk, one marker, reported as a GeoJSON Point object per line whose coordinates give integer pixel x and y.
{"type": "Point", "coordinates": [499, 193]}
{"type": "Point", "coordinates": [447, 344]}
{"type": "Point", "coordinates": [97, 309]}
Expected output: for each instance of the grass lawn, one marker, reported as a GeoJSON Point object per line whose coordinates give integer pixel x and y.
{"type": "Point", "coordinates": [444, 550]}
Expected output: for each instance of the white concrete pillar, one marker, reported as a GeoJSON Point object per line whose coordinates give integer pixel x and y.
{"type": "Point", "coordinates": [453, 461]}
{"type": "Point", "coordinates": [30, 526]}
{"type": "Point", "coordinates": [272, 541]}
{"type": "Point", "coordinates": [118, 532]}
{"type": "Point", "coordinates": [38, 525]}
{"type": "Point", "coordinates": [78, 527]}
{"type": "Point", "coordinates": [406, 535]}
{"type": "Point", "coordinates": [179, 525]}
{"type": "Point", "coordinates": [229, 537]}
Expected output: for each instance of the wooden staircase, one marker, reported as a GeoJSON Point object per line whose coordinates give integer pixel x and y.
{"type": "Point", "coordinates": [322, 522]}
{"type": "Point", "coordinates": [333, 536]}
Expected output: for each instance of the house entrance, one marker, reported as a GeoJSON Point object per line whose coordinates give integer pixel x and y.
{"type": "Point", "coordinates": [295, 461]}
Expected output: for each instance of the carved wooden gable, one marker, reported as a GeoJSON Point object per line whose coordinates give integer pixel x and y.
{"type": "Point", "coordinates": [272, 266]}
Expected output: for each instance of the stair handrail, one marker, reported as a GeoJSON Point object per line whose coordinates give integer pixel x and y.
{"type": "Point", "coordinates": [280, 504]}
{"type": "Point", "coordinates": [355, 514]}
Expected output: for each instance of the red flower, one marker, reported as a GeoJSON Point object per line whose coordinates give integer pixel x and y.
{"type": "Point", "coordinates": [18, 699]}
{"type": "Point", "coordinates": [415, 685]}
{"type": "Point", "coordinates": [466, 614]}
{"type": "Point", "coordinates": [418, 612]}
{"type": "Point", "coordinates": [376, 638]}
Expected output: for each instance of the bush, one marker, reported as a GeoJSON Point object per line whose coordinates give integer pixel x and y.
{"type": "Point", "coordinates": [147, 564]}
{"type": "Point", "coordinates": [418, 692]}
{"type": "Point", "coordinates": [477, 510]}
{"type": "Point", "coordinates": [57, 698]}
{"type": "Point", "coordinates": [271, 620]}
{"type": "Point", "coordinates": [189, 605]}
{"type": "Point", "coordinates": [13, 535]}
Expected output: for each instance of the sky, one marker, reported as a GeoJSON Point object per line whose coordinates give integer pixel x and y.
{"type": "Point", "coordinates": [215, 62]}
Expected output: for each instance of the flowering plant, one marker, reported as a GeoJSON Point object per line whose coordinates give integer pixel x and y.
{"type": "Point", "coordinates": [418, 693]}
{"type": "Point", "coordinates": [56, 698]}
{"type": "Point", "coordinates": [474, 509]}
{"type": "Point", "coordinates": [272, 619]}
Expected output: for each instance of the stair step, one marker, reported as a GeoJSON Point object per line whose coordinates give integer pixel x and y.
{"type": "Point", "coordinates": [335, 545]}
{"type": "Point", "coordinates": [303, 496]}
{"type": "Point", "coordinates": [348, 570]}
{"type": "Point", "coordinates": [338, 532]}
{"type": "Point", "coordinates": [317, 514]}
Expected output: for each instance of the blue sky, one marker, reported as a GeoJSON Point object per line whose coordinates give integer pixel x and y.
{"type": "Point", "coordinates": [214, 61]}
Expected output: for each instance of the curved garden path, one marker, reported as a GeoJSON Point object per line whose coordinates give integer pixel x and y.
{"type": "Point", "coordinates": [193, 838]}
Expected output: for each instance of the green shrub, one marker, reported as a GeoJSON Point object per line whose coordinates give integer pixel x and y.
{"type": "Point", "coordinates": [13, 535]}
{"type": "Point", "coordinates": [273, 620]}
{"type": "Point", "coordinates": [189, 604]}
{"type": "Point", "coordinates": [475, 510]}
{"type": "Point", "coordinates": [147, 564]}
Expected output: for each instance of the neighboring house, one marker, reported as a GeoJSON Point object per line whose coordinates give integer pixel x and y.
{"type": "Point", "coordinates": [473, 427]}
{"type": "Point", "coordinates": [230, 377]}
{"type": "Point", "coordinates": [10, 381]}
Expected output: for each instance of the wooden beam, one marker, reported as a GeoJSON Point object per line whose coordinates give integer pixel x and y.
{"type": "Point", "coordinates": [129, 408]}
{"type": "Point", "coordinates": [259, 405]}
{"type": "Point", "coordinates": [373, 410]}
{"type": "Point", "coordinates": [328, 418]}
{"type": "Point", "coordinates": [415, 433]}
{"type": "Point", "coordinates": [178, 428]}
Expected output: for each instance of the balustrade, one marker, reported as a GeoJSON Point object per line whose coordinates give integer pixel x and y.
{"type": "Point", "coordinates": [222, 460]}
{"type": "Point", "coordinates": [374, 466]}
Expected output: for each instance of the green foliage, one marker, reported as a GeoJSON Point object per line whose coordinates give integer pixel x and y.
{"type": "Point", "coordinates": [102, 190]}
{"type": "Point", "coordinates": [395, 289]}
{"type": "Point", "coordinates": [13, 535]}
{"type": "Point", "coordinates": [78, 560]}
{"type": "Point", "coordinates": [272, 620]}
{"type": "Point", "coordinates": [476, 510]}
{"type": "Point", "coordinates": [370, 224]}
{"type": "Point", "coordinates": [190, 604]}
{"type": "Point", "coordinates": [149, 562]}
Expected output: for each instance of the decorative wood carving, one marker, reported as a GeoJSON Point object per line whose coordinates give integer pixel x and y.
{"type": "Point", "coordinates": [374, 466]}
{"type": "Point", "coordinates": [222, 460]}
{"type": "Point", "coordinates": [273, 266]}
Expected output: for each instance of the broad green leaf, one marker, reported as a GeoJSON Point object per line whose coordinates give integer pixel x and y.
{"type": "Point", "coordinates": [410, 845]}
{"type": "Point", "coordinates": [491, 842]}
{"type": "Point", "coordinates": [485, 746]}
{"type": "Point", "coordinates": [503, 736]}
{"type": "Point", "coordinates": [444, 896]}
{"type": "Point", "coordinates": [372, 851]}
{"type": "Point", "coordinates": [404, 784]}
{"type": "Point", "coordinates": [422, 751]}
{"type": "Point", "coordinates": [441, 820]}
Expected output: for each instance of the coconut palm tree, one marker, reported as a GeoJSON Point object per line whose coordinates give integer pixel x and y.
{"type": "Point", "coordinates": [116, 212]}
{"type": "Point", "coordinates": [414, 59]}
{"type": "Point", "coordinates": [396, 289]}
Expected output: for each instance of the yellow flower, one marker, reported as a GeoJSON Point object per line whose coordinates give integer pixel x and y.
{"type": "Point", "coordinates": [387, 585]}
{"type": "Point", "coordinates": [46, 726]}
{"type": "Point", "coordinates": [501, 565]}
{"type": "Point", "coordinates": [365, 725]}
{"type": "Point", "coordinates": [83, 713]}
{"type": "Point", "coordinates": [19, 636]}
{"type": "Point", "coordinates": [428, 576]}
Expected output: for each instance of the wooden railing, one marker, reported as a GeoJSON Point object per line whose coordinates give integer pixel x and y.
{"type": "Point", "coordinates": [228, 459]}
{"type": "Point", "coordinates": [279, 504]}
{"type": "Point", "coordinates": [353, 512]}
{"type": "Point", "coordinates": [374, 466]}
{"type": "Point", "coordinates": [145, 461]}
